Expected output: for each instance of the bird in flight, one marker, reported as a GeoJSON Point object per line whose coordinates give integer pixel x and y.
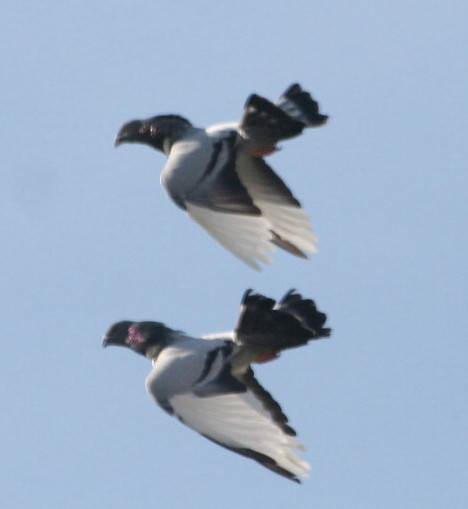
{"type": "Point", "coordinates": [219, 176]}
{"type": "Point", "coordinates": [208, 382]}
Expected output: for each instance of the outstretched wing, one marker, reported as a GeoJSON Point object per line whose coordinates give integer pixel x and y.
{"type": "Point", "coordinates": [248, 422]}
{"type": "Point", "coordinates": [220, 203]}
{"type": "Point", "coordinates": [288, 222]}
{"type": "Point", "coordinates": [247, 237]}
{"type": "Point", "coordinates": [246, 207]}
{"type": "Point", "coordinates": [194, 380]}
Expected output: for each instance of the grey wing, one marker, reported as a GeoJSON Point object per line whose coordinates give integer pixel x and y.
{"type": "Point", "coordinates": [289, 223]}
{"type": "Point", "coordinates": [246, 420]}
{"type": "Point", "coordinates": [218, 186]}
{"type": "Point", "coordinates": [221, 204]}
{"type": "Point", "coordinates": [247, 207]}
{"type": "Point", "coordinates": [193, 381]}
{"type": "Point", "coordinates": [247, 237]}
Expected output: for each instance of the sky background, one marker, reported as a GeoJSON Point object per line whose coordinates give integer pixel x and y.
{"type": "Point", "coordinates": [89, 238]}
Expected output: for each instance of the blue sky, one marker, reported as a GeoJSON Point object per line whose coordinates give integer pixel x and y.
{"type": "Point", "coordinates": [88, 238]}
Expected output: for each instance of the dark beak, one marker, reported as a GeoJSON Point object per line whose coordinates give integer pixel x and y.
{"type": "Point", "coordinates": [124, 134]}
{"type": "Point", "coordinates": [131, 131]}
{"type": "Point", "coordinates": [113, 340]}
{"type": "Point", "coordinates": [118, 140]}
{"type": "Point", "coordinates": [116, 334]}
{"type": "Point", "coordinates": [109, 340]}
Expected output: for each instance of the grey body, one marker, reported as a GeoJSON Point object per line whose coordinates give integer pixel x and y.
{"type": "Point", "coordinates": [194, 149]}
{"type": "Point", "coordinates": [184, 354]}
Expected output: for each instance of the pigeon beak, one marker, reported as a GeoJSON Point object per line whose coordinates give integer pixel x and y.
{"type": "Point", "coordinates": [112, 340]}
{"type": "Point", "coordinates": [122, 136]}
{"type": "Point", "coordinates": [109, 340]}
{"type": "Point", "coordinates": [118, 141]}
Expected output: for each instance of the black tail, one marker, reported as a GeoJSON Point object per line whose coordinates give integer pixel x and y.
{"type": "Point", "coordinates": [291, 322]}
{"type": "Point", "coordinates": [299, 104]}
{"type": "Point", "coordinates": [268, 120]}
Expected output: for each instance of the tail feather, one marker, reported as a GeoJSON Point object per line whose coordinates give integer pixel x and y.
{"type": "Point", "coordinates": [291, 322]}
{"type": "Point", "coordinates": [306, 312]}
{"type": "Point", "coordinates": [298, 104]}
{"type": "Point", "coordinates": [263, 119]}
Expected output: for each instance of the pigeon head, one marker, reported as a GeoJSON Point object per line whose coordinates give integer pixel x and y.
{"type": "Point", "coordinates": [145, 338]}
{"type": "Point", "coordinates": [152, 131]}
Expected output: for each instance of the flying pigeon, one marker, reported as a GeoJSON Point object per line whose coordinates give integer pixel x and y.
{"type": "Point", "coordinates": [208, 382]}
{"type": "Point", "coordinates": [218, 175]}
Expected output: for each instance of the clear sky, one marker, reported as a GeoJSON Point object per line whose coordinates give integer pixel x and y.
{"type": "Point", "coordinates": [88, 238]}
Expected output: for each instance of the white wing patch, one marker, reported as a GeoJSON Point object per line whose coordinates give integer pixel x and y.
{"type": "Point", "coordinates": [239, 421]}
{"type": "Point", "coordinates": [247, 237]}
{"type": "Point", "coordinates": [287, 220]}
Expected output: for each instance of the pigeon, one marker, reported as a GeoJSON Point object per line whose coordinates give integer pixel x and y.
{"type": "Point", "coordinates": [208, 382]}
{"type": "Point", "coordinates": [218, 175]}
